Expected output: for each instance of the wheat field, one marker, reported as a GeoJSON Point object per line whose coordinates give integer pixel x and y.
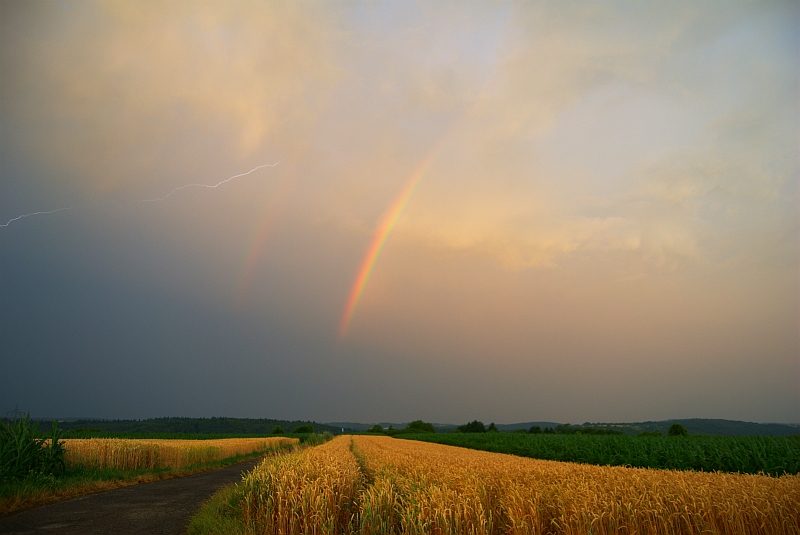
{"type": "Point", "coordinates": [440, 489]}
{"type": "Point", "coordinates": [313, 491]}
{"type": "Point", "coordinates": [136, 454]}
{"type": "Point", "coordinates": [380, 485]}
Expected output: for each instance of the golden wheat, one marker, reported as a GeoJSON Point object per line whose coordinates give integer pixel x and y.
{"type": "Point", "coordinates": [430, 488]}
{"type": "Point", "coordinates": [136, 454]}
{"type": "Point", "coordinates": [313, 491]}
{"type": "Point", "coordinates": [379, 485]}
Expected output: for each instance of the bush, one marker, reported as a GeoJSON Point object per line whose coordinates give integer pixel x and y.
{"type": "Point", "coordinates": [24, 453]}
{"type": "Point", "coordinates": [375, 429]}
{"type": "Point", "coordinates": [596, 431]}
{"type": "Point", "coordinates": [278, 430]}
{"type": "Point", "coordinates": [315, 439]}
{"type": "Point", "coordinates": [302, 429]}
{"type": "Point", "coordinates": [421, 427]}
{"type": "Point", "coordinates": [473, 427]}
{"type": "Point", "coordinates": [677, 430]}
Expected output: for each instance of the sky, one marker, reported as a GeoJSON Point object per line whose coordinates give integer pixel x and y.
{"type": "Point", "coordinates": [389, 211]}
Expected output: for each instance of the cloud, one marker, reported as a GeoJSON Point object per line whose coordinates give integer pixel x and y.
{"type": "Point", "coordinates": [611, 185]}
{"type": "Point", "coordinates": [515, 246]}
{"type": "Point", "coordinates": [96, 84]}
{"type": "Point", "coordinates": [689, 153]}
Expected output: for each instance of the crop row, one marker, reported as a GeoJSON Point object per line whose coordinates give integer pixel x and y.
{"type": "Point", "coordinates": [134, 454]}
{"type": "Point", "coordinates": [747, 455]}
{"type": "Point", "coordinates": [376, 485]}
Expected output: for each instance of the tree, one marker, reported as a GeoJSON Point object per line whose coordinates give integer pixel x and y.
{"type": "Point", "coordinates": [278, 430]}
{"type": "Point", "coordinates": [473, 427]}
{"type": "Point", "coordinates": [303, 429]}
{"type": "Point", "coordinates": [535, 430]}
{"type": "Point", "coordinates": [375, 429]}
{"type": "Point", "coordinates": [492, 428]}
{"type": "Point", "coordinates": [677, 430]}
{"type": "Point", "coordinates": [422, 427]}
{"type": "Point", "coordinates": [650, 434]}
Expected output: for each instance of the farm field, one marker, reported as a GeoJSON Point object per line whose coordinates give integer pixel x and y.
{"type": "Point", "coordinates": [374, 484]}
{"type": "Point", "coordinates": [748, 455]}
{"type": "Point", "coordinates": [138, 454]}
{"type": "Point", "coordinates": [91, 465]}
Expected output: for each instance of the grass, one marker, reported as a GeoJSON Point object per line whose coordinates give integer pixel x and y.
{"type": "Point", "coordinates": [220, 514]}
{"type": "Point", "coordinates": [79, 480]}
{"type": "Point", "coordinates": [747, 455]}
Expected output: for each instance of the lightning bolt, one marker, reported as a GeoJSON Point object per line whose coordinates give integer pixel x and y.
{"type": "Point", "coordinates": [148, 200]}
{"type": "Point", "coordinates": [35, 213]}
{"type": "Point", "coordinates": [209, 186]}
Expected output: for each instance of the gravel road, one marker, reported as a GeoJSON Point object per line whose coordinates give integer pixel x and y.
{"type": "Point", "coordinates": [163, 507]}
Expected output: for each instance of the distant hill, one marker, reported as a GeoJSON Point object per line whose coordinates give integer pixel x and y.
{"type": "Point", "coordinates": [705, 426]}
{"type": "Point", "coordinates": [200, 426]}
{"type": "Point", "coordinates": [242, 426]}
{"type": "Point", "coordinates": [359, 427]}
{"type": "Point", "coordinates": [525, 426]}
{"type": "Point", "coordinates": [695, 426]}
{"type": "Point", "coordinates": [355, 426]}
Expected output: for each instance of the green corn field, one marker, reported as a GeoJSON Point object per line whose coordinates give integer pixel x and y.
{"type": "Point", "coordinates": [747, 455]}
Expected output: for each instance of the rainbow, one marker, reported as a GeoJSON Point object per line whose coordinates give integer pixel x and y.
{"type": "Point", "coordinates": [382, 232]}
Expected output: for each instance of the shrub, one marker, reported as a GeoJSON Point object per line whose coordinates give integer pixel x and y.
{"type": "Point", "coordinates": [278, 430]}
{"type": "Point", "coordinates": [315, 439]}
{"type": "Point", "coordinates": [375, 429]}
{"type": "Point", "coordinates": [677, 430]}
{"type": "Point", "coordinates": [303, 429]}
{"type": "Point", "coordinates": [421, 427]}
{"type": "Point", "coordinates": [473, 427]}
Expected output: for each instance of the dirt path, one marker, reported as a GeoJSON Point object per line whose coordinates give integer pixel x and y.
{"type": "Point", "coordinates": [160, 507]}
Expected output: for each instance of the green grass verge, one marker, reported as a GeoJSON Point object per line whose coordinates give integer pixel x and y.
{"type": "Point", "coordinates": [774, 456]}
{"type": "Point", "coordinates": [221, 514]}
{"type": "Point", "coordinates": [79, 481]}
